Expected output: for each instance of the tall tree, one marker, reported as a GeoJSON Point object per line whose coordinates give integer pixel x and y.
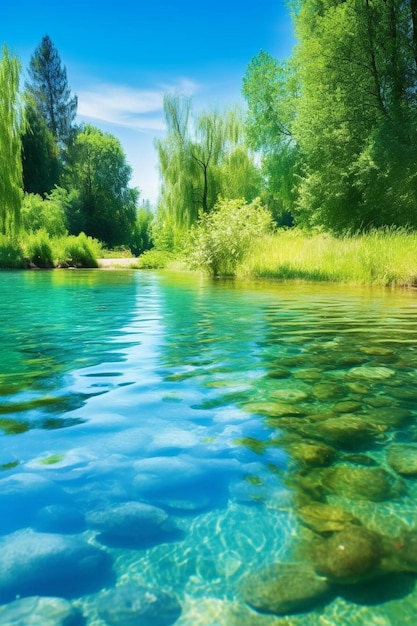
{"type": "Point", "coordinates": [196, 163]}
{"type": "Point", "coordinates": [50, 93]}
{"type": "Point", "coordinates": [98, 170]}
{"type": "Point", "coordinates": [10, 144]}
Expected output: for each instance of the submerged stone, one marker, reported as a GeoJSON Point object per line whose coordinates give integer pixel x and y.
{"type": "Point", "coordinates": [282, 588]}
{"type": "Point", "coordinates": [371, 373]}
{"type": "Point", "coordinates": [289, 395]}
{"type": "Point", "coordinates": [39, 611]}
{"type": "Point", "coordinates": [273, 409]}
{"type": "Point", "coordinates": [348, 406]}
{"type": "Point", "coordinates": [131, 523]}
{"type": "Point", "coordinates": [324, 518]}
{"type": "Point", "coordinates": [347, 432]}
{"type": "Point", "coordinates": [328, 391]}
{"type": "Point", "coordinates": [363, 483]}
{"type": "Point", "coordinates": [403, 458]}
{"type": "Point", "coordinates": [348, 556]}
{"type": "Point", "coordinates": [48, 564]}
{"type": "Point", "coordinates": [310, 453]}
{"type": "Point", "coordinates": [134, 605]}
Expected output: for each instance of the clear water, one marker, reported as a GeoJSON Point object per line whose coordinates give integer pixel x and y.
{"type": "Point", "coordinates": [129, 386]}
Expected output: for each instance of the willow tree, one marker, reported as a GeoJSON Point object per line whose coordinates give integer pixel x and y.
{"type": "Point", "coordinates": [194, 161]}
{"type": "Point", "coordinates": [10, 144]}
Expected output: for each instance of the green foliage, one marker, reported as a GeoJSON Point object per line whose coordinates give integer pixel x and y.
{"type": "Point", "coordinates": [141, 239]}
{"type": "Point", "coordinates": [48, 215]}
{"type": "Point", "coordinates": [155, 259]}
{"type": "Point", "coordinates": [203, 156]}
{"type": "Point", "coordinates": [385, 257]}
{"type": "Point", "coordinates": [49, 92]}
{"type": "Point", "coordinates": [223, 237]}
{"type": "Point", "coordinates": [78, 251]}
{"type": "Point", "coordinates": [39, 249]}
{"type": "Point", "coordinates": [10, 144]}
{"type": "Point", "coordinates": [98, 172]}
{"type": "Point", "coordinates": [11, 253]}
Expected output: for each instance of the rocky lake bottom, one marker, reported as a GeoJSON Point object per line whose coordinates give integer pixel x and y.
{"type": "Point", "coordinates": [182, 451]}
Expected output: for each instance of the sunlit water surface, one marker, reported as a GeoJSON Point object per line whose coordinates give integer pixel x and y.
{"type": "Point", "coordinates": [174, 391]}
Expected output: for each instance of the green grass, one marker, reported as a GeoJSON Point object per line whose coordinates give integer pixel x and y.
{"type": "Point", "coordinates": [386, 257]}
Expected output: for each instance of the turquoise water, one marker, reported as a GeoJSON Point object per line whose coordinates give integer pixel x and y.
{"type": "Point", "coordinates": [194, 398]}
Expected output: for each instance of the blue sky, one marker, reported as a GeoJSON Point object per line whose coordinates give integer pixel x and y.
{"type": "Point", "coordinates": [121, 57]}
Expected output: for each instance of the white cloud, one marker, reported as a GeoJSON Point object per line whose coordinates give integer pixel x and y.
{"type": "Point", "coordinates": [120, 105]}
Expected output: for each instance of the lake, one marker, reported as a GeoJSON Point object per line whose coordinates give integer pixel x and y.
{"type": "Point", "coordinates": [181, 450]}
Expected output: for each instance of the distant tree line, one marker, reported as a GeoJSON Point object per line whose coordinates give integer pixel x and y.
{"type": "Point", "coordinates": [328, 139]}
{"type": "Point", "coordinates": [74, 178]}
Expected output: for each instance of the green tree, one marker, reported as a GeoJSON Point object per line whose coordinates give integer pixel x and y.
{"type": "Point", "coordinates": [100, 174]}
{"type": "Point", "coordinates": [356, 113]}
{"type": "Point", "coordinates": [271, 89]}
{"type": "Point", "coordinates": [40, 154]}
{"type": "Point", "coordinates": [49, 92]}
{"type": "Point", "coordinates": [196, 163]}
{"type": "Point", "coordinates": [11, 121]}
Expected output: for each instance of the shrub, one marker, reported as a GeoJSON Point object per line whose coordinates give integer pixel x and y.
{"type": "Point", "coordinates": [79, 251]}
{"type": "Point", "coordinates": [48, 215]}
{"type": "Point", "coordinates": [11, 253]}
{"type": "Point", "coordinates": [39, 249]}
{"type": "Point", "coordinates": [154, 259]}
{"type": "Point", "coordinates": [223, 237]}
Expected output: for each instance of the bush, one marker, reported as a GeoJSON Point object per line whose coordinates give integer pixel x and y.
{"type": "Point", "coordinates": [39, 249]}
{"type": "Point", "coordinates": [48, 215]}
{"type": "Point", "coordinates": [154, 259]}
{"type": "Point", "coordinates": [11, 253]}
{"type": "Point", "coordinates": [223, 237]}
{"type": "Point", "coordinates": [78, 251]}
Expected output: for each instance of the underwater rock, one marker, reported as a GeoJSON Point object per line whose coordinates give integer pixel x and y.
{"type": "Point", "coordinates": [347, 406]}
{"type": "Point", "coordinates": [38, 611]}
{"type": "Point", "coordinates": [131, 523]}
{"type": "Point", "coordinates": [282, 588]}
{"type": "Point", "coordinates": [58, 518]}
{"type": "Point", "coordinates": [328, 391]}
{"type": "Point", "coordinates": [324, 518]}
{"type": "Point", "coordinates": [132, 605]}
{"type": "Point", "coordinates": [403, 458]}
{"type": "Point", "coordinates": [371, 373]}
{"type": "Point", "coordinates": [401, 553]}
{"type": "Point", "coordinates": [376, 351]}
{"type": "Point", "coordinates": [348, 556]}
{"type": "Point", "coordinates": [347, 432]}
{"type": "Point", "coordinates": [279, 372]}
{"type": "Point", "coordinates": [393, 417]}
{"type": "Point", "coordinates": [362, 483]}
{"type": "Point", "coordinates": [55, 565]}
{"type": "Point", "coordinates": [273, 409]}
{"type": "Point", "coordinates": [289, 395]}
{"type": "Point", "coordinates": [310, 453]}
{"type": "Point", "coordinates": [309, 374]}
{"type": "Point", "coordinates": [378, 401]}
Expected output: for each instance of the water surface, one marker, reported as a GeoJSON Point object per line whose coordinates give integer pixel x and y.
{"type": "Point", "coordinates": [195, 397]}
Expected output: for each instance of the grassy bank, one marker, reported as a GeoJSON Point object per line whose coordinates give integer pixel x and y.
{"type": "Point", "coordinates": [383, 257]}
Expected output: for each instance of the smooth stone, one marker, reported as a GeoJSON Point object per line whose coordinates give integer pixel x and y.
{"type": "Point", "coordinates": [378, 401]}
{"type": "Point", "coordinates": [58, 518]}
{"type": "Point", "coordinates": [324, 518]}
{"type": "Point", "coordinates": [282, 588]}
{"type": "Point", "coordinates": [308, 375]}
{"type": "Point", "coordinates": [359, 388]}
{"type": "Point", "coordinates": [131, 523]}
{"type": "Point", "coordinates": [362, 483]}
{"type": "Point", "coordinates": [347, 431]}
{"type": "Point", "coordinates": [402, 553]}
{"type": "Point", "coordinates": [393, 417]}
{"type": "Point", "coordinates": [328, 391]}
{"type": "Point", "coordinates": [279, 373]}
{"type": "Point", "coordinates": [376, 351]}
{"type": "Point", "coordinates": [47, 564]}
{"type": "Point", "coordinates": [289, 395]}
{"type": "Point", "coordinates": [273, 409]}
{"type": "Point", "coordinates": [39, 611]}
{"type": "Point", "coordinates": [403, 459]}
{"type": "Point", "coordinates": [349, 556]}
{"type": "Point", "coordinates": [135, 605]}
{"type": "Point", "coordinates": [310, 453]}
{"type": "Point", "coordinates": [348, 406]}
{"type": "Point", "coordinates": [371, 373]}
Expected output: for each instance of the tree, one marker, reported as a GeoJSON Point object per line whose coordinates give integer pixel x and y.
{"type": "Point", "coordinates": [356, 114]}
{"type": "Point", "coordinates": [10, 144]}
{"type": "Point", "coordinates": [196, 163]}
{"type": "Point", "coordinates": [40, 154]}
{"type": "Point", "coordinates": [271, 90]}
{"type": "Point", "coordinates": [49, 91]}
{"type": "Point", "coordinates": [98, 171]}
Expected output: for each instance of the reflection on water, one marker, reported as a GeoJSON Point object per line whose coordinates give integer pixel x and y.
{"type": "Point", "coordinates": [176, 450]}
